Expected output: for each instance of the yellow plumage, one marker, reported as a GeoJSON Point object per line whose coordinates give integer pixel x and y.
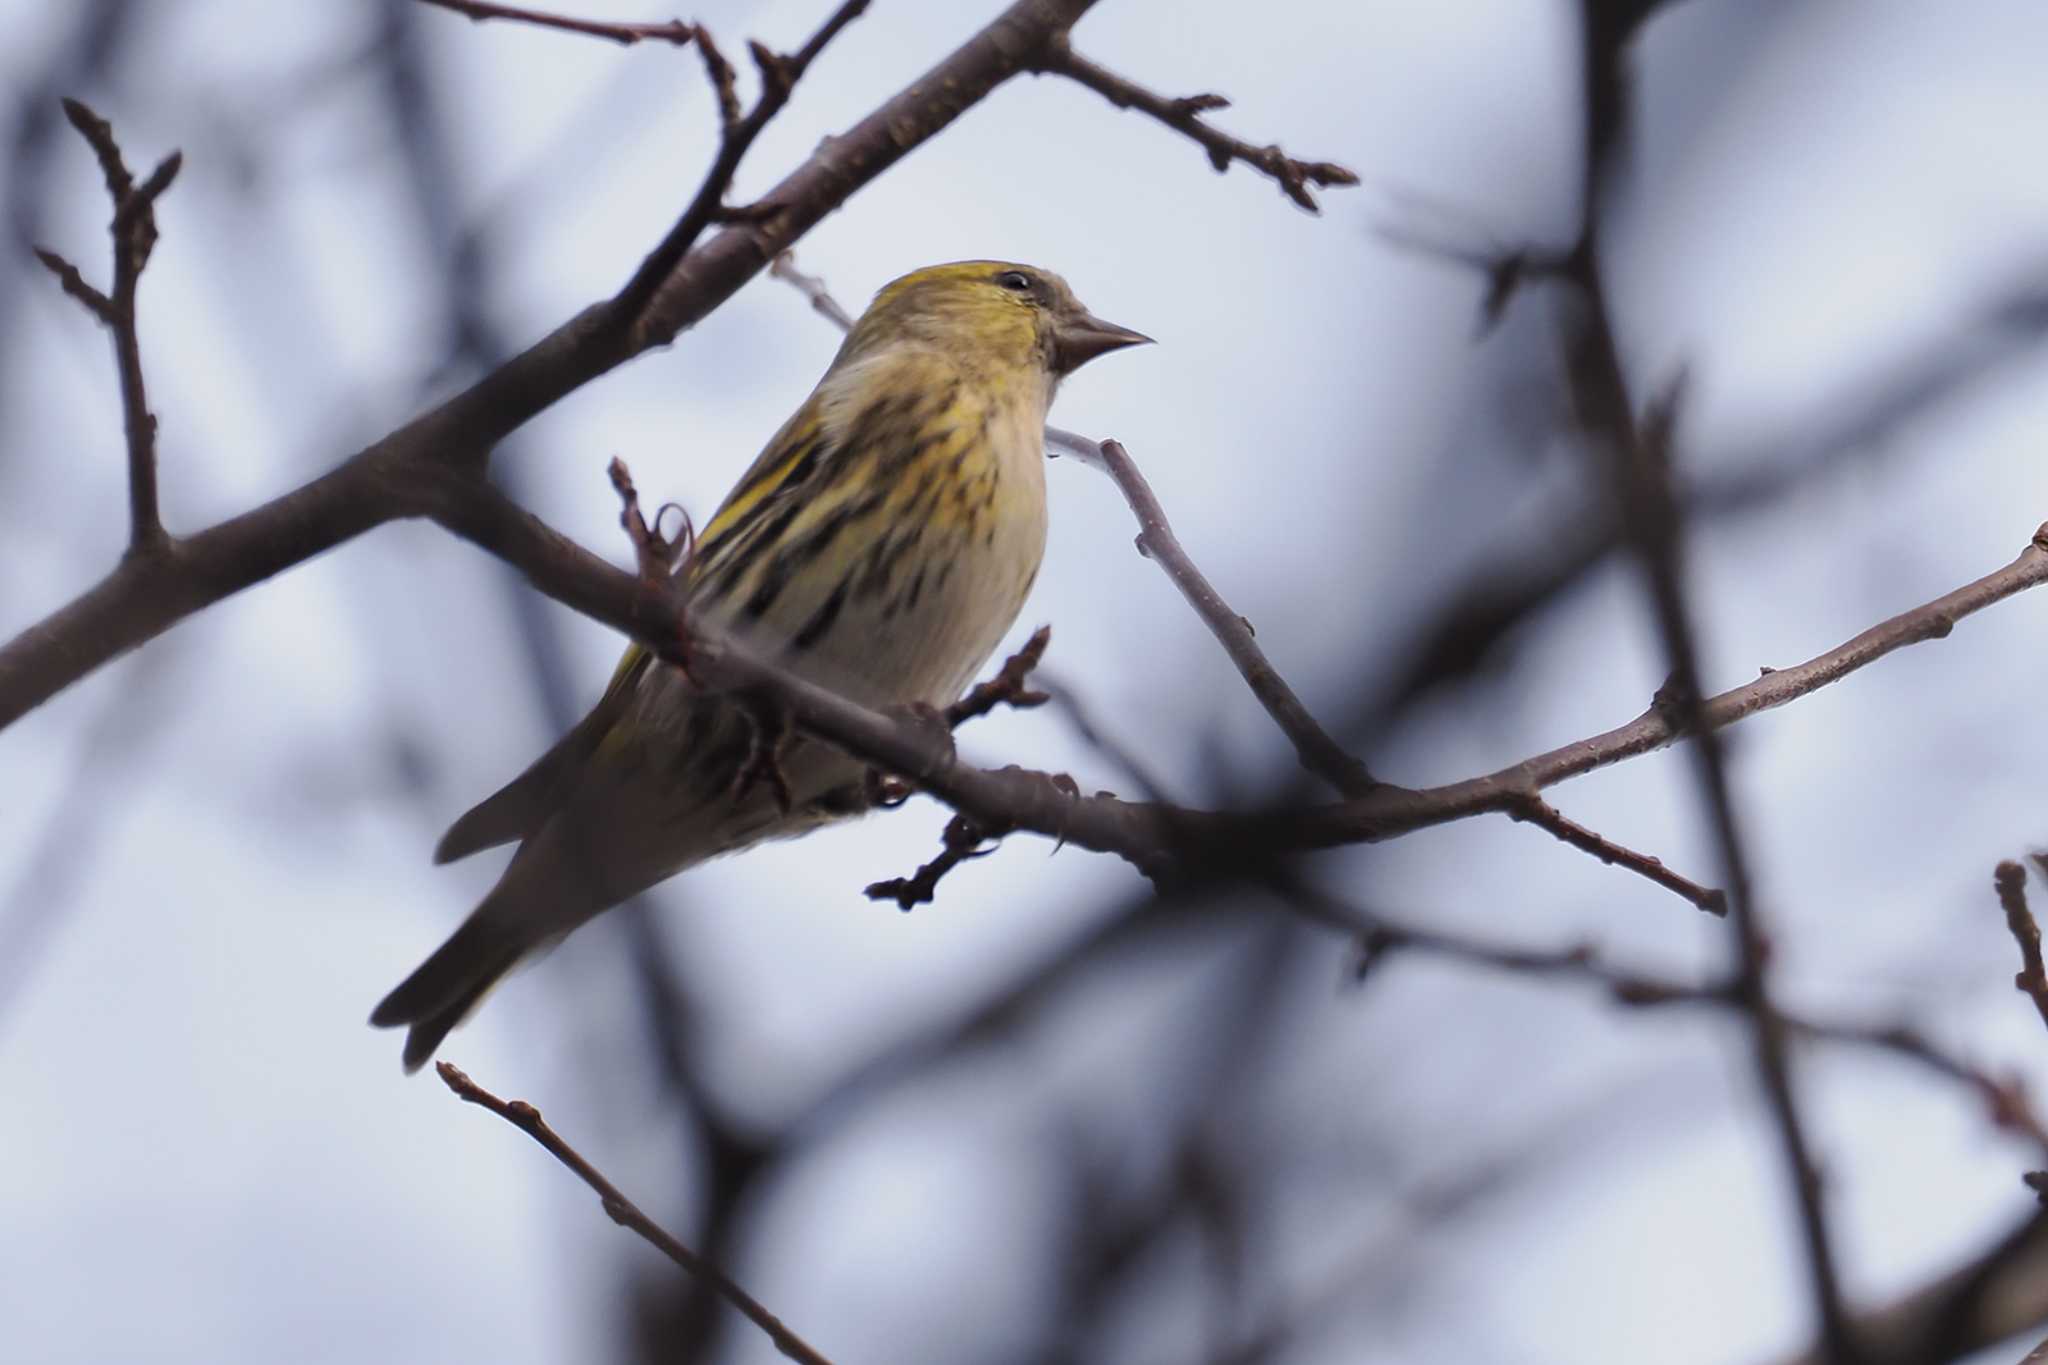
{"type": "Point", "coordinates": [881, 545]}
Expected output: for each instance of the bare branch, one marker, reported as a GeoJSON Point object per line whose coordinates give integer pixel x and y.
{"type": "Point", "coordinates": [626, 34]}
{"type": "Point", "coordinates": [1184, 115]}
{"type": "Point", "coordinates": [2000, 1292]}
{"type": "Point", "coordinates": [779, 76]}
{"type": "Point", "coordinates": [963, 840]}
{"type": "Point", "coordinates": [129, 607]}
{"type": "Point", "coordinates": [1543, 815]}
{"type": "Point", "coordinates": [626, 1213]}
{"type": "Point", "coordinates": [1638, 456]}
{"type": "Point", "coordinates": [784, 268]}
{"type": "Point", "coordinates": [1008, 687]}
{"type": "Point", "coordinates": [2032, 980]}
{"type": "Point", "coordinates": [653, 552]}
{"type": "Point", "coordinates": [73, 283]}
{"type": "Point", "coordinates": [134, 233]}
{"type": "Point", "coordinates": [1318, 753]}
{"type": "Point", "coordinates": [2005, 1100]}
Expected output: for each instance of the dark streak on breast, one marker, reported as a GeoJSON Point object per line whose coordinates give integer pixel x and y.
{"type": "Point", "coordinates": [821, 620]}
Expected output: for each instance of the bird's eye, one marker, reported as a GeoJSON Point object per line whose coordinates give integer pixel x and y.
{"type": "Point", "coordinates": [1016, 280]}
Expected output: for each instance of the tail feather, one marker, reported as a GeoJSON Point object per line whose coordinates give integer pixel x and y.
{"type": "Point", "coordinates": [448, 985]}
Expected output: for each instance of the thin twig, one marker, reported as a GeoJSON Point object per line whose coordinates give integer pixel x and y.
{"type": "Point", "coordinates": [1184, 115]}
{"type": "Point", "coordinates": [1318, 752]}
{"type": "Point", "coordinates": [627, 34]}
{"type": "Point", "coordinates": [136, 602]}
{"type": "Point", "coordinates": [2005, 1100]}
{"type": "Point", "coordinates": [655, 554]}
{"type": "Point", "coordinates": [1313, 743]}
{"type": "Point", "coordinates": [779, 75]}
{"type": "Point", "coordinates": [1543, 815]}
{"type": "Point", "coordinates": [1009, 687]}
{"type": "Point", "coordinates": [626, 1213]}
{"type": "Point", "coordinates": [2032, 980]}
{"type": "Point", "coordinates": [784, 268]}
{"type": "Point", "coordinates": [134, 232]}
{"type": "Point", "coordinates": [963, 841]}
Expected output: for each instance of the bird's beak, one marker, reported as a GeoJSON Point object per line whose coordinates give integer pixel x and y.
{"type": "Point", "coordinates": [1078, 340]}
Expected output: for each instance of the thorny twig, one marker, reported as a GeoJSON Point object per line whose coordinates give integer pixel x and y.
{"type": "Point", "coordinates": [626, 34]}
{"type": "Point", "coordinates": [627, 1214]}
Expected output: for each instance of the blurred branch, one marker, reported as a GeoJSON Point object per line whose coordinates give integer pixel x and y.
{"type": "Point", "coordinates": [1184, 115]}
{"type": "Point", "coordinates": [1381, 938]}
{"type": "Point", "coordinates": [1640, 457]}
{"type": "Point", "coordinates": [671, 31]}
{"type": "Point", "coordinates": [2032, 980]}
{"type": "Point", "coordinates": [134, 233]}
{"type": "Point", "coordinates": [431, 468]}
{"type": "Point", "coordinates": [1638, 454]}
{"type": "Point", "coordinates": [1067, 702]}
{"type": "Point", "coordinates": [1998, 1294]}
{"type": "Point", "coordinates": [1313, 746]}
{"type": "Point", "coordinates": [100, 782]}
{"type": "Point", "coordinates": [1512, 791]}
{"type": "Point", "coordinates": [626, 1214]}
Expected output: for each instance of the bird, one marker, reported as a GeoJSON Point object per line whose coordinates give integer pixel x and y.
{"type": "Point", "coordinates": [881, 545]}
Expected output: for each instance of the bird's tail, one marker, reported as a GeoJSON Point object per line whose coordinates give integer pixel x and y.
{"type": "Point", "coordinates": [448, 985]}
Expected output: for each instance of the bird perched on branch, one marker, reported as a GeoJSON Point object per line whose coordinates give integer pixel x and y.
{"type": "Point", "coordinates": [881, 546]}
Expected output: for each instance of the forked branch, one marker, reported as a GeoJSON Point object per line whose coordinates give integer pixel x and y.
{"type": "Point", "coordinates": [134, 232]}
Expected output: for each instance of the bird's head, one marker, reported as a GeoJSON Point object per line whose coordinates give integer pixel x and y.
{"type": "Point", "coordinates": [990, 314]}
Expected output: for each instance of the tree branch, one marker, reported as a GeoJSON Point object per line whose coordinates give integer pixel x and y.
{"type": "Point", "coordinates": [2032, 980]}
{"type": "Point", "coordinates": [626, 34]}
{"type": "Point", "coordinates": [134, 232]}
{"type": "Point", "coordinates": [1543, 815]}
{"type": "Point", "coordinates": [1638, 457]}
{"type": "Point", "coordinates": [129, 607]}
{"type": "Point", "coordinates": [1184, 115]}
{"type": "Point", "coordinates": [627, 1214]}
{"type": "Point", "coordinates": [1318, 753]}
{"type": "Point", "coordinates": [1315, 748]}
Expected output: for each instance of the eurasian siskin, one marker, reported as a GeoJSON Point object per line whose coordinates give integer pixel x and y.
{"type": "Point", "coordinates": [881, 545]}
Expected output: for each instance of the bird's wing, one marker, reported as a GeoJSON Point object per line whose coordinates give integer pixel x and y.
{"type": "Point", "coordinates": [522, 806]}
{"type": "Point", "coordinates": [518, 809]}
